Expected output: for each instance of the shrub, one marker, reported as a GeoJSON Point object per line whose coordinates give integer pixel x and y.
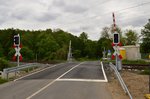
{"type": "Point", "coordinates": [2, 81]}
{"type": "Point", "coordinates": [145, 72]}
{"type": "Point", "coordinates": [134, 62]}
{"type": "Point", "coordinates": [3, 64]}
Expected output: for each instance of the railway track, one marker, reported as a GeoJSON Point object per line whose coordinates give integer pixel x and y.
{"type": "Point", "coordinates": [136, 66]}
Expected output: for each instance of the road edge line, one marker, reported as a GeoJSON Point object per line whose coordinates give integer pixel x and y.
{"type": "Point", "coordinates": [104, 72]}
{"type": "Point", "coordinates": [82, 80]}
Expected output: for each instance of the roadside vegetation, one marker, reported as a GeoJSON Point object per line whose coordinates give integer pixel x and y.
{"type": "Point", "coordinates": [135, 62]}
{"type": "Point", "coordinates": [3, 64]}
{"type": "Point", "coordinates": [145, 72]}
{"type": "Point", "coordinates": [2, 80]}
{"type": "Point", "coordinates": [142, 62]}
{"type": "Point", "coordinates": [52, 45]}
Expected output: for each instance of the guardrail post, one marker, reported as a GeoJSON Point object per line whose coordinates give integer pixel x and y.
{"type": "Point", "coordinates": [7, 77]}
{"type": "Point", "coordinates": [33, 68]}
{"type": "Point", "coordinates": [28, 69]}
{"type": "Point", "coordinates": [4, 75]}
{"type": "Point", "coordinates": [15, 74]}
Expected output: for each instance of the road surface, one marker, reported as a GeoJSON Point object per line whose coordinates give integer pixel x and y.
{"type": "Point", "coordinates": [74, 80]}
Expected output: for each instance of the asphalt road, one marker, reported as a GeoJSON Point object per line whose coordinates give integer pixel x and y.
{"type": "Point", "coordinates": [62, 81]}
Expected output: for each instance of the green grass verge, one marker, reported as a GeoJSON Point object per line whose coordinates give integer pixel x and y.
{"type": "Point", "coordinates": [85, 59]}
{"type": "Point", "coordinates": [135, 62]}
{"type": "Point", "coordinates": [3, 80]}
{"type": "Point", "coordinates": [145, 72]}
{"type": "Point", "coordinates": [131, 62]}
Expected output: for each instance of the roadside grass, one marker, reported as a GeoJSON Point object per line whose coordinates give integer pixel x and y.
{"type": "Point", "coordinates": [135, 62]}
{"type": "Point", "coordinates": [142, 62]}
{"type": "Point", "coordinates": [3, 80]}
{"type": "Point", "coordinates": [3, 64]}
{"type": "Point", "coordinates": [130, 62]}
{"type": "Point", "coordinates": [86, 59]}
{"type": "Point", "coordinates": [145, 71]}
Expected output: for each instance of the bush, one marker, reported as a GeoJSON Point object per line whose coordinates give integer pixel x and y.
{"type": "Point", "coordinates": [2, 81]}
{"type": "Point", "coordinates": [3, 64]}
{"type": "Point", "coordinates": [134, 62]}
{"type": "Point", "coordinates": [145, 72]}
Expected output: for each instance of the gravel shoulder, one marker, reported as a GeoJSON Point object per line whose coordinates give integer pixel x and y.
{"type": "Point", "coordinates": [137, 84]}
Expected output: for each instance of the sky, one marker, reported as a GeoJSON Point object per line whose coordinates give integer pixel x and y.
{"type": "Point", "coordinates": [74, 16]}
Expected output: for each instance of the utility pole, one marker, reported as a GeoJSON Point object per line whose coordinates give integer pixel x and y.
{"type": "Point", "coordinates": [69, 58]}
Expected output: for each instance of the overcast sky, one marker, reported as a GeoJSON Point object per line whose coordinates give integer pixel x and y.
{"type": "Point", "coordinates": [74, 16]}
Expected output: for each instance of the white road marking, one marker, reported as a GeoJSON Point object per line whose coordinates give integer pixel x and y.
{"type": "Point", "coordinates": [82, 80]}
{"type": "Point", "coordinates": [106, 80]}
{"type": "Point", "coordinates": [38, 71]}
{"type": "Point", "coordinates": [52, 82]}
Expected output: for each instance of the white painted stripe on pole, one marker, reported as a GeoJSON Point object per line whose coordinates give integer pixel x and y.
{"type": "Point", "coordinates": [83, 80]}
{"type": "Point", "coordinates": [104, 72]}
{"type": "Point", "coordinates": [52, 82]}
{"type": "Point", "coordinates": [38, 71]}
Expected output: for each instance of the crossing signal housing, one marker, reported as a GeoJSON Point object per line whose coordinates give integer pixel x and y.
{"type": "Point", "coordinates": [17, 40]}
{"type": "Point", "coordinates": [116, 38]}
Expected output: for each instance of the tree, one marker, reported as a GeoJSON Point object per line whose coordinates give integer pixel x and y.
{"type": "Point", "coordinates": [103, 43]}
{"type": "Point", "coordinates": [131, 37]}
{"type": "Point", "coordinates": [90, 49]}
{"type": "Point", "coordinates": [105, 33]}
{"type": "Point", "coordinates": [61, 37]}
{"type": "Point", "coordinates": [27, 54]}
{"type": "Point", "coordinates": [83, 36]}
{"type": "Point", "coordinates": [77, 53]}
{"type": "Point", "coordinates": [1, 51]}
{"type": "Point", "coordinates": [46, 46]}
{"type": "Point", "coordinates": [145, 46]}
{"type": "Point", "coordinates": [61, 54]}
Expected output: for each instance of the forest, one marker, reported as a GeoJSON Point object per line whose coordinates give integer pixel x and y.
{"type": "Point", "coordinates": [46, 45]}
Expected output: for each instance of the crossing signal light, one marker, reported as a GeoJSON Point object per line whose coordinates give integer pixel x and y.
{"type": "Point", "coordinates": [17, 40]}
{"type": "Point", "coordinates": [116, 38]}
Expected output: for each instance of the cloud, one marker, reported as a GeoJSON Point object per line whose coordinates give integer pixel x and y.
{"type": "Point", "coordinates": [46, 17]}
{"type": "Point", "coordinates": [75, 30]}
{"type": "Point", "coordinates": [20, 14]}
{"type": "Point", "coordinates": [59, 3]}
{"type": "Point", "coordinates": [74, 9]}
{"type": "Point", "coordinates": [75, 16]}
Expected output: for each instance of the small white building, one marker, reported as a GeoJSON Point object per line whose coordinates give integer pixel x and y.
{"type": "Point", "coordinates": [132, 52]}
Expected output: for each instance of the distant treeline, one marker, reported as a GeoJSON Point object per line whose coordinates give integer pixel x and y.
{"type": "Point", "coordinates": [45, 45]}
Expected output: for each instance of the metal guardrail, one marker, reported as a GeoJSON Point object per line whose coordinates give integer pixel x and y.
{"type": "Point", "coordinates": [123, 85]}
{"type": "Point", "coordinates": [6, 71]}
{"type": "Point", "coordinates": [1, 72]}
